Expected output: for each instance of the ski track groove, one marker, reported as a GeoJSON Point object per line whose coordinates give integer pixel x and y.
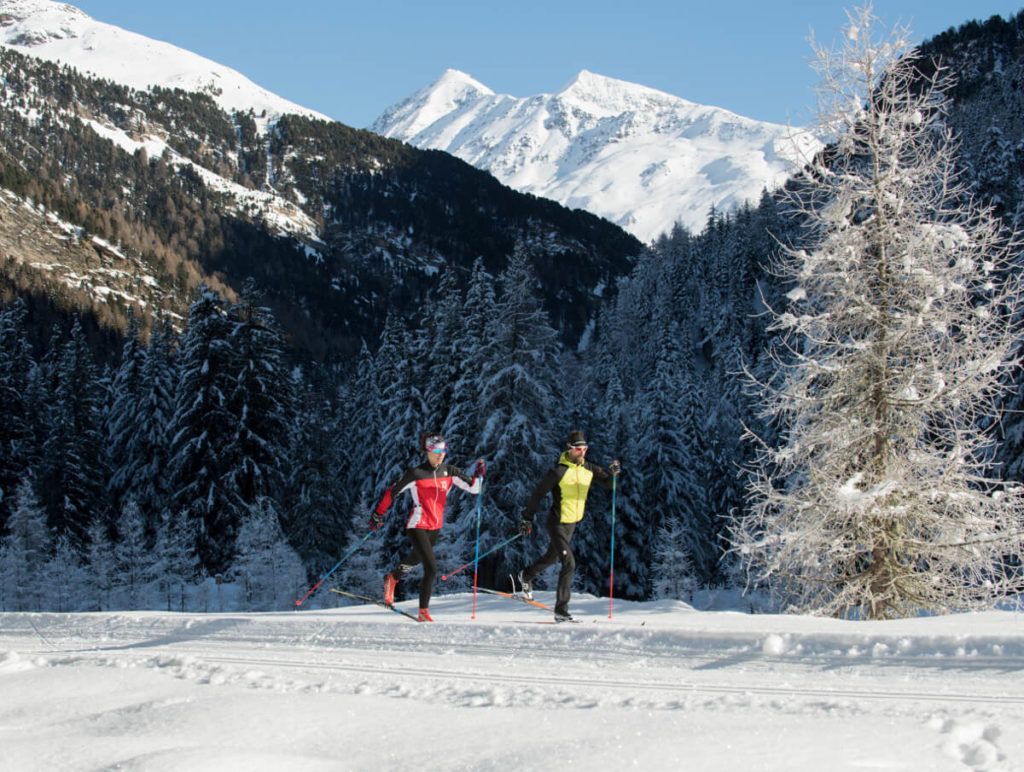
{"type": "Point", "coordinates": [546, 681]}
{"type": "Point", "coordinates": [540, 646]}
{"type": "Point", "coordinates": [219, 652]}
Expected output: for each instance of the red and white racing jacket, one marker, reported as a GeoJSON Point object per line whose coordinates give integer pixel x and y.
{"type": "Point", "coordinates": [429, 487]}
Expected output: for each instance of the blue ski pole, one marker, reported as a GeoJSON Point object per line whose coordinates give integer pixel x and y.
{"type": "Point", "coordinates": [492, 549]}
{"type": "Point", "coordinates": [322, 578]}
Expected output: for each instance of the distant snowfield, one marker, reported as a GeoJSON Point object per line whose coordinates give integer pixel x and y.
{"type": "Point", "coordinates": [659, 686]}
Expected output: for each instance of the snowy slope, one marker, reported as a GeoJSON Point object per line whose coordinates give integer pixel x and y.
{"type": "Point", "coordinates": [660, 686]}
{"type": "Point", "coordinates": [639, 157]}
{"type": "Point", "coordinates": [62, 33]}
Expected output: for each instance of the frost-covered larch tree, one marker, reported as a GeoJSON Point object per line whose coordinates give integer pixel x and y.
{"type": "Point", "coordinates": [880, 499]}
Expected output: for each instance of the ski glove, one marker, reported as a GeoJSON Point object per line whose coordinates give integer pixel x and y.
{"type": "Point", "coordinates": [481, 469]}
{"type": "Point", "coordinates": [614, 468]}
{"type": "Point", "coordinates": [525, 526]}
{"type": "Point", "coordinates": [376, 521]}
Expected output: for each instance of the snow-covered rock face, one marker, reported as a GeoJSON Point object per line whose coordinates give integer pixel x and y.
{"type": "Point", "coordinates": [62, 33]}
{"type": "Point", "coordinates": [639, 157]}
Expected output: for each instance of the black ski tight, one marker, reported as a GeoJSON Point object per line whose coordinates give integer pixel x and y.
{"type": "Point", "coordinates": [422, 542]}
{"type": "Point", "coordinates": [560, 535]}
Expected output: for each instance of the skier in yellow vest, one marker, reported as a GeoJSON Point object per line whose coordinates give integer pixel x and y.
{"type": "Point", "coordinates": [568, 481]}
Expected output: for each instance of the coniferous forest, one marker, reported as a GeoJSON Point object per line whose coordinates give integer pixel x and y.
{"type": "Point", "coordinates": [220, 440]}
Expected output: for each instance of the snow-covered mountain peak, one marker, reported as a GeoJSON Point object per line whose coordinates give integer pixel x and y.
{"type": "Point", "coordinates": [586, 83]}
{"type": "Point", "coordinates": [456, 81]}
{"type": "Point", "coordinates": [63, 33]}
{"type": "Point", "coordinates": [452, 93]}
{"type": "Point", "coordinates": [642, 158]}
{"type": "Point", "coordinates": [612, 94]}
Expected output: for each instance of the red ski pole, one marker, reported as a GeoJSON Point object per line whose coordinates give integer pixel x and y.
{"type": "Point", "coordinates": [476, 553]}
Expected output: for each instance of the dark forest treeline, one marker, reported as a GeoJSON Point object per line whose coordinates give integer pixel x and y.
{"type": "Point", "coordinates": [193, 440]}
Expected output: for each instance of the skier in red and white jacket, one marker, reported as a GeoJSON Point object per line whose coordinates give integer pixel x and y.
{"type": "Point", "coordinates": [429, 484]}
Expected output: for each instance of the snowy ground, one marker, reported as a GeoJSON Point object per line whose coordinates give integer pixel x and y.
{"type": "Point", "coordinates": [659, 686]}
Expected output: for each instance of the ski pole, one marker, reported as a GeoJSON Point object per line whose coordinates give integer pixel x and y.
{"type": "Point", "coordinates": [447, 576]}
{"type": "Point", "coordinates": [476, 554]}
{"type": "Point", "coordinates": [611, 569]}
{"type": "Point", "coordinates": [322, 578]}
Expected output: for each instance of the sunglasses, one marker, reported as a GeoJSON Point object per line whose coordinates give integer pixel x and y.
{"type": "Point", "coordinates": [437, 450]}
{"type": "Point", "coordinates": [579, 446]}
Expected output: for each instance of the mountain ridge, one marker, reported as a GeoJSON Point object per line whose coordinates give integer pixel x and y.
{"type": "Point", "coordinates": [639, 157]}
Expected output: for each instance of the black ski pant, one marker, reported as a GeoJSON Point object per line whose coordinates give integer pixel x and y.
{"type": "Point", "coordinates": [423, 542]}
{"type": "Point", "coordinates": [559, 549]}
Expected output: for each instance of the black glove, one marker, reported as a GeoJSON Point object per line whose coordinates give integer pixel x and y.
{"type": "Point", "coordinates": [614, 468]}
{"type": "Point", "coordinates": [525, 526]}
{"type": "Point", "coordinates": [376, 521]}
{"type": "Point", "coordinates": [481, 468]}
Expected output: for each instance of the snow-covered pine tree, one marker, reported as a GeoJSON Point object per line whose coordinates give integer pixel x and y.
{"type": "Point", "coordinates": [667, 418]}
{"type": "Point", "coordinates": [266, 566]}
{"type": "Point", "coordinates": [100, 567]}
{"type": "Point", "coordinates": [879, 500]}
{"type": "Point", "coordinates": [464, 428]}
{"type": "Point", "coordinates": [176, 562]}
{"type": "Point", "coordinates": [72, 468]}
{"type": "Point", "coordinates": [359, 425]}
{"type": "Point", "coordinates": [446, 350]}
{"type": "Point", "coordinates": [24, 552]}
{"type": "Point", "coordinates": [138, 421]}
{"type": "Point", "coordinates": [395, 438]}
{"type": "Point", "coordinates": [519, 402]}
{"type": "Point", "coordinates": [400, 367]}
{"type": "Point", "coordinates": [672, 575]}
{"type": "Point", "coordinates": [261, 404]}
{"type": "Point", "coordinates": [16, 409]}
{"type": "Point", "coordinates": [315, 518]}
{"type": "Point", "coordinates": [203, 430]}
{"type": "Point", "coordinates": [134, 559]}
{"type": "Point", "coordinates": [65, 577]}
{"type": "Point", "coordinates": [120, 416]}
{"type": "Point", "coordinates": [464, 422]}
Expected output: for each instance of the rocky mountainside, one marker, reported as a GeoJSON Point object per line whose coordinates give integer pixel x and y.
{"type": "Point", "coordinates": [639, 157]}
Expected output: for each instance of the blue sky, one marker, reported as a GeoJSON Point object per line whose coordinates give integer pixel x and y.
{"type": "Point", "coordinates": [351, 59]}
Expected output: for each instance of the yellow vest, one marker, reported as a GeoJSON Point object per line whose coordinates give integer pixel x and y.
{"type": "Point", "coordinates": [574, 486]}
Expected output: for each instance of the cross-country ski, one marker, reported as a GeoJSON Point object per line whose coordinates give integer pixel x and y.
{"type": "Point", "coordinates": [513, 596]}
{"type": "Point", "coordinates": [374, 601]}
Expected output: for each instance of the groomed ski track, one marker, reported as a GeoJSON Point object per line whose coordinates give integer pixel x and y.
{"type": "Point", "coordinates": [628, 660]}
